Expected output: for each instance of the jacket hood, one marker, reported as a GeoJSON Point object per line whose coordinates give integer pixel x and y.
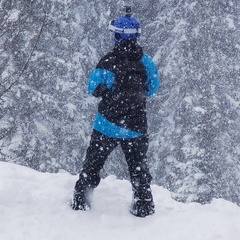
{"type": "Point", "coordinates": [129, 49]}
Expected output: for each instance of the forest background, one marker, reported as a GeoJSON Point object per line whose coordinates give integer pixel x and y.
{"type": "Point", "coordinates": [48, 49]}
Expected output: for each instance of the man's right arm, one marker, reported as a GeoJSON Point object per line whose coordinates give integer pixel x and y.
{"type": "Point", "coordinates": [153, 80]}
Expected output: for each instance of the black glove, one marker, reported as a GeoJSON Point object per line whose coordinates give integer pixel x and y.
{"type": "Point", "coordinates": [102, 91]}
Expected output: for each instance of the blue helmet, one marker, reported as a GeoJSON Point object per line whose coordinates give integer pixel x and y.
{"type": "Point", "coordinates": [125, 28]}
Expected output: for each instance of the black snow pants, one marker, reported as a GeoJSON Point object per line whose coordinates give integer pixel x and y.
{"type": "Point", "coordinates": [135, 150]}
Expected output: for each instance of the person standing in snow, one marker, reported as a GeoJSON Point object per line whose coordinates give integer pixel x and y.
{"type": "Point", "coordinates": [123, 79]}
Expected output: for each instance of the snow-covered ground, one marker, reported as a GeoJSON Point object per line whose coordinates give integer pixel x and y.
{"type": "Point", "coordinates": [33, 206]}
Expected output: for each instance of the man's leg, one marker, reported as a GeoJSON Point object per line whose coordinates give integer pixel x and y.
{"type": "Point", "coordinates": [135, 151]}
{"type": "Point", "coordinates": [99, 149]}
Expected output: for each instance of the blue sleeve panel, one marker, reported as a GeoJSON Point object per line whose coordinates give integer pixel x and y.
{"type": "Point", "coordinates": [153, 81]}
{"type": "Point", "coordinates": [102, 125]}
{"type": "Point", "coordinates": [100, 76]}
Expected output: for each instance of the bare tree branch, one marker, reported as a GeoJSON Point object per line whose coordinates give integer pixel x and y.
{"type": "Point", "coordinates": [8, 132]}
{"type": "Point", "coordinates": [35, 45]}
{"type": "Point", "coordinates": [28, 60]}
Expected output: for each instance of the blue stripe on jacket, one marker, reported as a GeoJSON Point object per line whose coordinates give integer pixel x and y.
{"type": "Point", "coordinates": [111, 130]}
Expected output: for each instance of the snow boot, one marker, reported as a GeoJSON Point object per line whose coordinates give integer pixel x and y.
{"type": "Point", "coordinates": [142, 203]}
{"type": "Point", "coordinates": [81, 200]}
{"type": "Point", "coordinates": [142, 208]}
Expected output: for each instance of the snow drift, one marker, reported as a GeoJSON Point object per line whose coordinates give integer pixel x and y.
{"type": "Point", "coordinates": [33, 205]}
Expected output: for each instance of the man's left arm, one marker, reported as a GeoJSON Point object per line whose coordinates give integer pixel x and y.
{"type": "Point", "coordinates": [100, 82]}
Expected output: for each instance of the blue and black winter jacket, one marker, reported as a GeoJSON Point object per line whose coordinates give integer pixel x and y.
{"type": "Point", "coordinates": [123, 78]}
